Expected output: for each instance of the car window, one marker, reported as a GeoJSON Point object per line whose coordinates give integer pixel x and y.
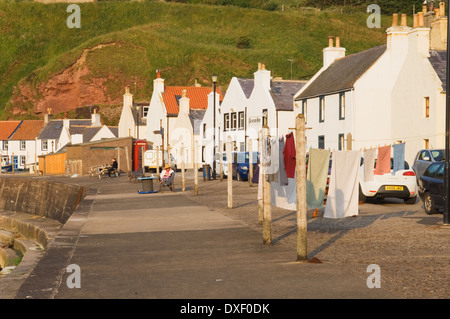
{"type": "Point", "coordinates": [392, 164]}
{"type": "Point", "coordinates": [438, 155]}
{"type": "Point", "coordinates": [424, 154]}
{"type": "Point", "coordinates": [440, 171]}
{"type": "Point", "coordinates": [431, 170]}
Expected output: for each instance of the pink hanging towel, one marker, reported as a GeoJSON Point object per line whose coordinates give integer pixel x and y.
{"type": "Point", "coordinates": [383, 164]}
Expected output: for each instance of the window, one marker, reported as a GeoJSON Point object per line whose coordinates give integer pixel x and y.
{"type": "Point", "coordinates": [22, 160]}
{"type": "Point", "coordinates": [340, 142]}
{"type": "Point", "coordinates": [424, 156]}
{"type": "Point", "coordinates": [233, 121]}
{"type": "Point", "coordinates": [226, 121]}
{"type": "Point", "coordinates": [304, 108]}
{"type": "Point", "coordinates": [321, 109]}
{"type": "Point", "coordinates": [204, 130]}
{"type": "Point", "coordinates": [241, 120]}
{"type": "Point", "coordinates": [145, 110]}
{"type": "Point", "coordinates": [440, 171]}
{"type": "Point", "coordinates": [44, 145]}
{"type": "Point", "coordinates": [22, 145]}
{"type": "Point", "coordinates": [321, 143]}
{"type": "Point", "coordinates": [426, 143]}
{"type": "Point", "coordinates": [265, 116]}
{"type": "Point", "coordinates": [342, 106]}
{"type": "Point", "coordinates": [203, 153]}
{"type": "Point", "coordinates": [5, 145]}
{"type": "Point", "coordinates": [427, 107]}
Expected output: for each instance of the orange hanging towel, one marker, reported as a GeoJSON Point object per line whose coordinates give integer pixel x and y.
{"type": "Point", "coordinates": [383, 165]}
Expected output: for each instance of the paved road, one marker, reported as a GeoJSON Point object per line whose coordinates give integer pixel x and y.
{"type": "Point", "coordinates": [167, 246]}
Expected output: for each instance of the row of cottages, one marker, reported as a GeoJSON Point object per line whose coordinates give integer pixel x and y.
{"type": "Point", "coordinates": [185, 116]}
{"type": "Point", "coordinates": [250, 104]}
{"type": "Point", "coordinates": [22, 142]}
{"type": "Point", "coordinates": [385, 95]}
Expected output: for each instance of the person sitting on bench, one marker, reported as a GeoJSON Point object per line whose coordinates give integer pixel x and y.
{"type": "Point", "coordinates": [166, 174]}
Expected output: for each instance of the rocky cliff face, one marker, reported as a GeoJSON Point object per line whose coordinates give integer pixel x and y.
{"type": "Point", "coordinates": [74, 87]}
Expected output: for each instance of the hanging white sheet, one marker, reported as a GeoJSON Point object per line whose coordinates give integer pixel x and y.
{"type": "Point", "coordinates": [284, 196]}
{"type": "Point", "coordinates": [343, 192]}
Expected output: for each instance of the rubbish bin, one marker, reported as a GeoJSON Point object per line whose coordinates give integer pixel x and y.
{"type": "Point", "coordinates": [206, 172]}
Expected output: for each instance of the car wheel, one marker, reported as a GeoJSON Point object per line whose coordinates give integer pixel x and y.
{"type": "Point", "coordinates": [410, 200]}
{"type": "Point", "coordinates": [362, 197]}
{"type": "Point", "coordinates": [428, 204]}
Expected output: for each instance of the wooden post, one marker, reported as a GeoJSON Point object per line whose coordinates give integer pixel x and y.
{"type": "Point", "coordinates": [221, 160]}
{"type": "Point", "coordinates": [300, 170]}
{"type": "Point", "coordinates": [157, 161]}
{"type": "Point", "coordinates": [195, 169]}
{"type": "Point", "coordinates": [118, 158]}
{"type": "Point", "coordinates": [230, 173]}
{"type": "Point", "coordinates": [267, 221]}
{"type": "Point", "coordinates": [168, 155]}
{"type": "Point", "coordinates": [142, 159]}
{"type": "Point", "coordinates": [260, 178]}
{"type": "Point", "coordinates": [126, 156]}
{"type": "Point", "coordinates": [250, 162]}
{"type": "Point", "coordinates": [183, 179]}
{"type": "Point", "coordinates": [12, 162]}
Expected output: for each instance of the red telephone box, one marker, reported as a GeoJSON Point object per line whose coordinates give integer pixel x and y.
{"type": "Point", "coordinates": [139, 148]}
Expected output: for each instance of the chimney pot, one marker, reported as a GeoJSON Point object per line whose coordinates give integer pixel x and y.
{"type": "Point", "coordinates": [259, 66]}
{"type": "Point", "coordinates": [158, 74]}
{"type": "Point", "coordinates": [403, 22]}
{"type": "Point", "coordinates": [127, 89]}
{"type": "Point", "coordinates": [263, 66]}
{"type": "Point", "coordinates": [420, 19]}
{"type": "Point", "coordinates": [415, 20]}
{"type": "Point", "coordinates": [442, 8]}
{"type": "Point", "coordinates": [338, 42]}
{"type": "Point", "coordinates": [394, 19]}
{"type": "Point", "coordinates": [183, 93]}
{"type": "Point", "coordinates": [330, 41]}
{"type": "Point", "coordinates": [424, 7]}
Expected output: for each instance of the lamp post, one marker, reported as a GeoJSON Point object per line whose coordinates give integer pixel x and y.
{"type": "Point", "coordinates": [447, 141]}
{"type": "Point", "coordinates": [214, 80]}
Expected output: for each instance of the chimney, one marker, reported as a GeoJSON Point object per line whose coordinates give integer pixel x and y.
{"type": "Point", "coordinates": [438, 30]}
{"type": "Point", "coordinates": [424, 6]}
{"type": "Point", "coordinates": [48, 116]}
{"type": "Point", "coordinates": [403, 23]}
{"type": "Point", "coordinates": [442, 8]}
{"type": "Point", "coordinates": [184, 103]}
{"type": "Point", "coordinates": [158, 83]}
{"type": "Point", "coordinates": [420, 21]}
{"type": "Point", "coordinates": [262, 77]}
{"type": "Point", "coordinates": [331, 53]}
{"type": "Point", "coordinates": [127, 98]}
{"type": "Point", "coordinates": [395, 20]}
{"type": "Point", "coordinates": [66, 121]}
{"type": "Point", "coordinates": [95, 119]}
{"type": "Point", "coordinates": [397, 36]}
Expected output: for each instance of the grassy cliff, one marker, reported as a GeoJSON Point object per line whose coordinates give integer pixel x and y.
{"type": "Point", "coordinates": [185, 41]}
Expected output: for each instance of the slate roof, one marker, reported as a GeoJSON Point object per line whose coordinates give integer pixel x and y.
{"type": "Point", "coordinates": [438, 59]}
{"type": "Point", "coordinates": [198, 97]}
{"type": "Point", "coordinates": [342, 74]}
{"type": "Point", "coordinates": [89, 132]}
{"type": "Point", "coordinates": [247, 86]}
{"type": "Point", "coordinates": [7, 128]}
{"type": "Point", "coordinates": [283, 92]}
{"type": "Point", "coordinates": [53, 129]}
{"type": "Point", "coordinates": [196, 117]}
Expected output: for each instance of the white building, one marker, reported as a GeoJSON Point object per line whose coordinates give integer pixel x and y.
{"type": "Point", "coordinates": [249, 104]}
{"type": "Point", "coordinates": [164, 108]}
{"type": "Point", "coordinates": [132, 121]}
{"type": "Point", "coordinates": [381, 96]}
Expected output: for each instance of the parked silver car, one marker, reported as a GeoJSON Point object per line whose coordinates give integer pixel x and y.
{"type": "Point", "coordinates": [424, 158]}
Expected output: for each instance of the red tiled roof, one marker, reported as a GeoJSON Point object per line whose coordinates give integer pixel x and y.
{"type": "Point", "coordinates": [7, 128]}
{"type": "Point", "coordinates": [198, 97]}
{"type": "Point", "coordinates": [28, 130]}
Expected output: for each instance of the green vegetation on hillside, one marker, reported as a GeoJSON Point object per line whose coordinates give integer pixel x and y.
{"type": "Point", "coordinates": [185, 41]}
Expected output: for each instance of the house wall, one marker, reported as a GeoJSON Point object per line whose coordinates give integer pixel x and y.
{"type": "Point", "coordinates": [83, 156]}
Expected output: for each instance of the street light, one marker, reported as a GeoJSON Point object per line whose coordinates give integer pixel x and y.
{"type": "Point", "coordinates": [214, 80]}
{"type": "Point", "coordinates": [447, 141]}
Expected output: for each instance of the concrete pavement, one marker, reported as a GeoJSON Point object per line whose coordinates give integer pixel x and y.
{"type": "Point", "coordinates": [166, 246]}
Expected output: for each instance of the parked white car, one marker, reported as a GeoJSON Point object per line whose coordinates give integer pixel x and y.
{"type": "Point", "coordinates": [401, 185]}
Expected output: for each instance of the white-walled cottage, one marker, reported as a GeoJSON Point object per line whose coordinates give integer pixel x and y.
{"type": "Point", "coordinates": [381, 96]}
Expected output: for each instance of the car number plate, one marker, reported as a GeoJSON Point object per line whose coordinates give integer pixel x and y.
{"type": "Point", "coordinates": [393, 188]}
